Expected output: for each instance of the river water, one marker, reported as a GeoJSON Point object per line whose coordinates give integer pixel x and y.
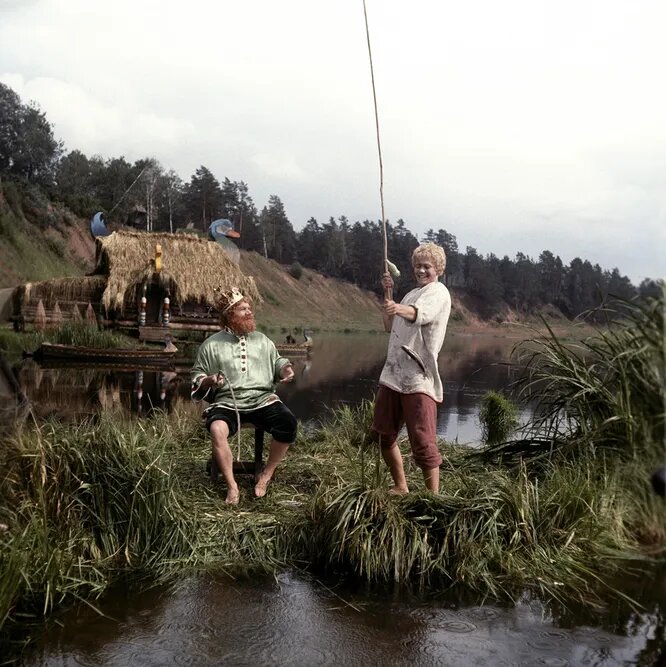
{"type": "Point", "coordinates": [342, 369]}
{"type": "Point", "coordinates": [293, 619]}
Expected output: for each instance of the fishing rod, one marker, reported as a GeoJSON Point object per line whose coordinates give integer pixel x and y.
{"type": "Point", "coordinates": [388, 292]}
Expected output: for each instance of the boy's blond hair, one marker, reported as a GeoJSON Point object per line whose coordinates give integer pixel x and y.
{"type": "Point", "coordinates": [433, 253]}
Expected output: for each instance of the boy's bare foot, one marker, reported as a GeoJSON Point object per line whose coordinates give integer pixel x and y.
{"type": "Point", "coordinates": [261, 487]}
{"type": "Point", "coordinates": [398, 491]}
{"type": "Point", "coordinates": [233, 496]}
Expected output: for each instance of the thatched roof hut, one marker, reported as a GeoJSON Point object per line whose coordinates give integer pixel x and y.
{"type": "Point", "coordinates": [192, 268]}
{"type": "Point", "coordinates": [183, 267]}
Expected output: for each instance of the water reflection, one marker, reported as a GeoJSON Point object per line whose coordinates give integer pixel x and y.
{"type": "Point", "coordinates": [299, 621]}
{"type": "Point", "coordinates": [340, 370]}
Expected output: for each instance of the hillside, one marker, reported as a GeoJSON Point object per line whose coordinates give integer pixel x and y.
{"type": "Point", "coordinates": [41, 240]}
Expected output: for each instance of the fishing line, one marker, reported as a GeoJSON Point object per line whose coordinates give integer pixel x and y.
{"type": "Point", "coordinates": [126, 191]}
{"type": "Point", "coordinates": [388, 292]}
{"type": "Point", "coordinates": [220, 375]}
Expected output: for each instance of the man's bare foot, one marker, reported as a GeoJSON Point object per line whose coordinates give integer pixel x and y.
{"type": "Point", "coordinates": [261, 487]}
{"type": "Point", "coordinates": [398, 491]}
{"type": "Point", "coordinates": [233, 495]}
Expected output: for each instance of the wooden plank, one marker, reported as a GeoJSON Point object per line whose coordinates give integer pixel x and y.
{"type": "Point", "coordinates": [155, 334]}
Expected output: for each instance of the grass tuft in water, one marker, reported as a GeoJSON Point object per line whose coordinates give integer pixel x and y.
{"type": "Point", "coordinates": [498, 417]}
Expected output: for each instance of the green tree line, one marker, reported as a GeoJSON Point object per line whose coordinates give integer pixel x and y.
{"type": "Point", "coordinates": [339, 248]}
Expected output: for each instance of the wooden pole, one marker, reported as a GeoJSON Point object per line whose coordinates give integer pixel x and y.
{"type": "Point", "coordinates": [388, 293]}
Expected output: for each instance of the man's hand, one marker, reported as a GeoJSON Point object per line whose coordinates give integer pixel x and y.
{"type": "Point", "coordinates": [387, 281]}
{"type": "Point", "coordinates": [215, 380]}
{"type": "Point", "coordinates": [287, 373]}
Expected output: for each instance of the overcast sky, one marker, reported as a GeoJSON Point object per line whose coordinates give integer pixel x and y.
{"type": "Point", "coordinates": [519, 125]}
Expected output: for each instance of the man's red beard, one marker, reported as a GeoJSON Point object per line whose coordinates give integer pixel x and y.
{"type": "Point", "coordinates": [242, 325]}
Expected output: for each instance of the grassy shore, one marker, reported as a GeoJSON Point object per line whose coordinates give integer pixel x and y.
{"type": "Point", "coordinates": [83, 504]}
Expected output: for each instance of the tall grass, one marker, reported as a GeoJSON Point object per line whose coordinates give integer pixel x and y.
{"type": "Point", "coordinates": [606, 392]}
{"type": "Point", "coordinates": [491, 528]}
{"type": "Point", "coordinates": [83, 502]}
{"type": "Point", "coordinates": [68, 333]}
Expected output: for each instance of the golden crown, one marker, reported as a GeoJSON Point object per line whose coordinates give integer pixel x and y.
{"type": "Point", "coordinates": [227, 298]}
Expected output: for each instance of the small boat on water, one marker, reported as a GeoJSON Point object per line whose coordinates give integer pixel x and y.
{"type": "Point", "coordinates": [53, 351]}
{"type": "Point", "coordinates": [291, 350]}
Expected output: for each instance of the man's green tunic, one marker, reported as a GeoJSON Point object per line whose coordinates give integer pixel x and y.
{"type": "Point", "coordinates": [250, 364]}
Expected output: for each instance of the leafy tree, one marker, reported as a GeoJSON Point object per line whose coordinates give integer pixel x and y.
{"type": "Point", "coordinates": [246, 218]}
{"type": "Point", "coordinates": [366, 256]}
{"type": "Point", "coordinates": [11, 111]}
{"type": "Point", "coordinates": [28, 149]}
{"type": "Point", "coordinates": [524, 292]}
{"type": "Point", "coordinates": [582, 287]}
{"type": "Point", "coordinates": [39, 150]}
{"type": "Point", "coordinates": [169, 200]}
{"type": "Point", "coordinates": [650, 288]}
{"type": "Point", "coordinates": [111, 180]}
{"type": "Point", "coordinates": [146, 186]}
{"type": "Point", "coordinates": [483, 280]}
{"type": "Point", "coordinates": [73, 174]}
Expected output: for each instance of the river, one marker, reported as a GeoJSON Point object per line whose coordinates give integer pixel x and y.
{"type": "Point", "coordinates": [293, 619]}
{"type": "Point", "coordinates": [342, 369]}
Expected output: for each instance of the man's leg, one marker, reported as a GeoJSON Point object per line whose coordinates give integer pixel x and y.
{"type": "Point", "coordinates": [280, 422]}
{"type": "Point", "coordinates": [277, 452]}
{"type": "Point", "coordinates": [219, 432]}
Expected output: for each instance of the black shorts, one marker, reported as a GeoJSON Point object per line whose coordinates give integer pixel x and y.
{"type": "Point", "coordinates": [276, 418]}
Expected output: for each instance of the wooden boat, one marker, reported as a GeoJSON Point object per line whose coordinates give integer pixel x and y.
{"type": "Point", "coordinates": [293, 350]}
{"type": "Point", "coordinates": [79, 353]}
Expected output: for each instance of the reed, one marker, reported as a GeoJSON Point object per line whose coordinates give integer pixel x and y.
{"type": "Point", "coordinates": [498, 417]}
{"type": "Point", "coordinates": [68, 333]}
{"type": "Point", "coordinates": [562, 531]}
{"type": "Point", "coordinates": [605, 392]}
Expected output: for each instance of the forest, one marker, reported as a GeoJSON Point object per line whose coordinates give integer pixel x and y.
{"type": "Point", "coordinates": [32, 156]}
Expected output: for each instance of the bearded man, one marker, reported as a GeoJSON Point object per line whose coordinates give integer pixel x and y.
{"type": "Point", "coordinates": [235, 371]}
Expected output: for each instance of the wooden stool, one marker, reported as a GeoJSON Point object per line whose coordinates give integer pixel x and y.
{"type": "Point", "coordinates": [244, 467]}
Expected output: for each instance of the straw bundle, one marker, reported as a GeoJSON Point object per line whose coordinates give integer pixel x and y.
{"type": "Point", "coordinates": [40, 317]}
{"type": "Point", "coordinates": [56, 318]}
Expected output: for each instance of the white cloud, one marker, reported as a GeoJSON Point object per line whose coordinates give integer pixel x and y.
{"type": "Point", "coordinates": [516, 126]}
{"type": "Point", "coordinates": [89, 124]}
